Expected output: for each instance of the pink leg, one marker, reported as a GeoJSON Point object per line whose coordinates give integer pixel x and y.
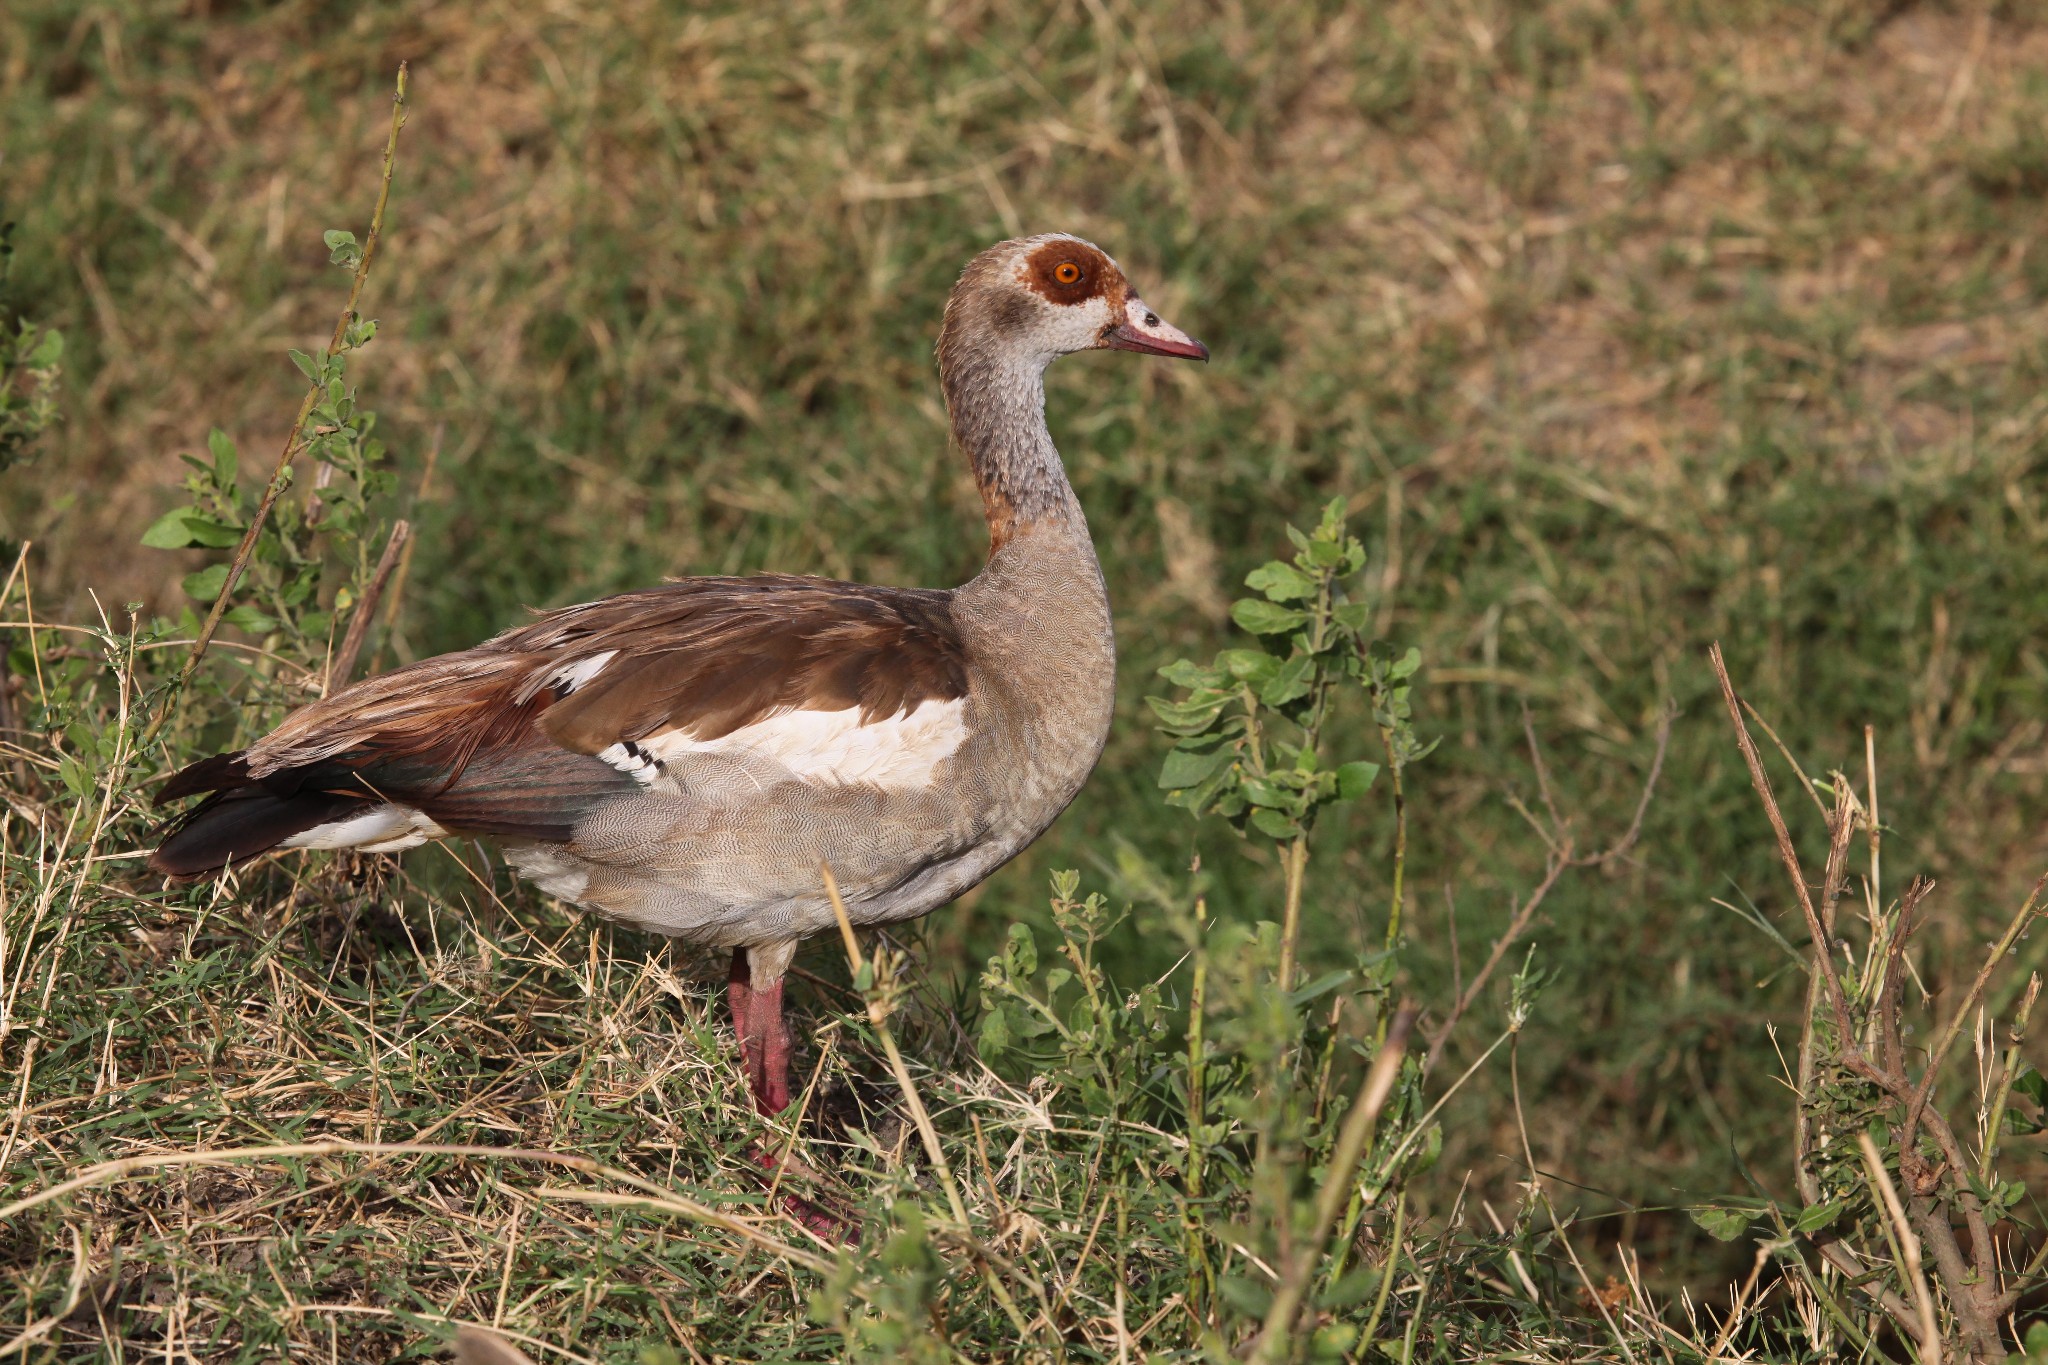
{"type": "Point", "coordinates": [764, 1049]}
{"type": "Point", "coordinates": [764, 1041]}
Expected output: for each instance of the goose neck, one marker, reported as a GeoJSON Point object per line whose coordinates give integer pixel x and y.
{"type": "Point", "coordinates": [997, 406]}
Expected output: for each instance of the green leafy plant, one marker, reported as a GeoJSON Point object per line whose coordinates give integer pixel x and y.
{"type": "Point", "coordinates": [1893, 1205]}
{"type": "Point", "coordinates": [299, 563]}
{"type": "Point", "coordinates": [31, 368]}
{"type": "Point", "coordinates": [1249, 729]}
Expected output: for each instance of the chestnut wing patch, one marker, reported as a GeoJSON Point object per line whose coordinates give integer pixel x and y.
{"type": "Point", "coordinates": [706, 658]}
{"type": "Point", "coordinates": [529, 732]}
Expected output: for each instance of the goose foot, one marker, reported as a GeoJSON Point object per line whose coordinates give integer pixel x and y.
{"type": "Point", "coordinates": [827, 1221]}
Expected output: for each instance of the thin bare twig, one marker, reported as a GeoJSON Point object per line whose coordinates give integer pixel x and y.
{"type": "Point", "coordinates": [1620, 848]}
{"type": "Point", "coordinates": [1940, 1052]}
{"type": "Point", "coordinates": [1563, 857]}
{"type": "Point", "coordinates": [1852, 1053]}
{"type": "Point", "coordinates": [395, 595]}
{"type": "Point", "coordinates": [278, 480]}
{"type": "Point", "coordinates": [344, 665]}
{"type": "Point", "coordinates": [1516, 926]}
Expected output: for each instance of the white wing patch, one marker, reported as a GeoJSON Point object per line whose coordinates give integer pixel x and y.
{"type": "Point", "coordinates": [380, 829]}
{"type": "Point", "coordinates": [833, 747]}
{"type": "Point", "coordinates": [574, 674]}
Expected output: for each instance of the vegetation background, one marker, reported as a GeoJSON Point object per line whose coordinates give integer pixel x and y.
{"type": "Point", "coordinates": [1619, 329]}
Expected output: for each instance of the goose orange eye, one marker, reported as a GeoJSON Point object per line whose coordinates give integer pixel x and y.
{"type": "Point", "coordinates": [1066, 272]}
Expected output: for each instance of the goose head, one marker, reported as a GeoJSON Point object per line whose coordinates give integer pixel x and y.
{"type": "Point", "coordinates": [1033, 299]}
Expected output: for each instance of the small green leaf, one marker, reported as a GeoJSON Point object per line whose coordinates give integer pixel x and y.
{"type": "Point", "coordinates": [1324, 554]}
{"type": "Point", "coordinates": [210, 533]}
{"type": "Point", "coordinates": [1355, 779]}
{"type": "Point", "coordinates": [1184, 768]}
{"type": "Point", "coordinates": [1317, 988]}
{"type": "Point", "coordinates": [342, 248]}
{"type": "Point", "coordinates": [1217, 791]}
{"type": "Point", "coordinates": [1021, 951]}
{"type": "Point", "coordinates": [1260, 792]}
{"type": "Point", "coordinates": [169, 532]}
{"type": "Point", "coordinates": [49, 350]}
{"type": "Point", "coordinates": [1263, 618]}
{"type": "Point", "coordinates": [1406, 665]}
{"type": "Point", "coordinates": [1252, 666]}
{"type": "Point", "coordinates": [1816, 1217]}
{"type": "Point", "coordinates": [1290, 681]}
{"type": "Point", "coordinates": [251, 620]}
{"type": "Point", "coordinates": [995, 1033]}
{"type": "Point", "coordinates": [2031, 1083]}
{"type": "Point", "coordinates": [184, 526]}
{"type": "Point", "coordinates": [308, 366]}
{"type": "Point", "coordinates": [206, 584]}
{"type": "Point", "coordinates": [1189, 674]}
{"type": "Point", "coordinates": [1274, 825]}
{"type": "Point", "coordinates": [1186, 717]}
{"type": "Point", "coordinates": [1281, 582]}
{"type": "Point", "coordinates": [225, 463]}
{"type": "Point", "coordinates": [1723, 1224]}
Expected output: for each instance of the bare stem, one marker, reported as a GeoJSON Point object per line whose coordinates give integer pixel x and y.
{"type": "Point", "coordinates": [278, 475]}
{"type": "Point", "coordinates": [1563, 856]}
{"type": "Point", "coordinates": [1823, 960]}
{"type": "Point", "coordinates": [1295, 858]}
{"type": "Point", "coordinates": [344, 663]}
{"type": "Point", "coordinates": [1400, 840]}
{"type": "Point", "coordinates": [1198, 1282]}
{"type": "Point", "coordinates": [1940, 1053]}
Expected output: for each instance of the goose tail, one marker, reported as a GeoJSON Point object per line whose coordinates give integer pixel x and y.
{"type": "Point", "coordinates": [238, 821]}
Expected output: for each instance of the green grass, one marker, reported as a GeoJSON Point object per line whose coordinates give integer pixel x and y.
{"type": "Point", "coordinates": [1619, 331]}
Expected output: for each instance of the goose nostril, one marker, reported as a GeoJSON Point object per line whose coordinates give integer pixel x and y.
{"type": "Point", "coordinates": [1151, 319]}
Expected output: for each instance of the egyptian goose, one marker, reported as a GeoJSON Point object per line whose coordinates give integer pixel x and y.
{"type": "Point", "coordinates": [685, 758]}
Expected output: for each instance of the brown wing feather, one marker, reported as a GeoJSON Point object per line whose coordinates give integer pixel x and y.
{"type": "Point", "coordinates": [726, 662]}
{"type": "Point", "coordinates": [706, 655]}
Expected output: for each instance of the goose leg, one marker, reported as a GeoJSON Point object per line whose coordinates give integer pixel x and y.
{"type": "Point", "coordinates": [755, 997]}
{"type": "Point", "coordinates": [753, 989]}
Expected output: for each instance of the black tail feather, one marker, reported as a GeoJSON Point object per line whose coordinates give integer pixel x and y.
{"type": "Point", "coordinates": [240, 823]}
{"type": "Point", "coordinates": [536, 793]}
{"type": "Point", "coordinates": [219, 773]}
